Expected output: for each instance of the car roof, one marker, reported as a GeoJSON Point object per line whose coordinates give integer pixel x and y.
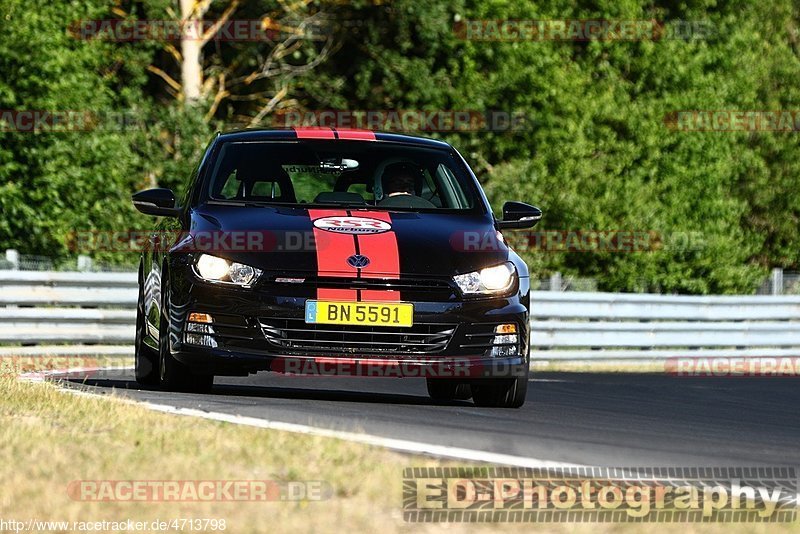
{"type": "Point", "coordinates": [330, 133]}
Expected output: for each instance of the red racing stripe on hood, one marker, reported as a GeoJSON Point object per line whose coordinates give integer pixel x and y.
{"type": "Point", "coordinates": [332, 252]}
{"type": "Point", "coordinates": [384, 255]}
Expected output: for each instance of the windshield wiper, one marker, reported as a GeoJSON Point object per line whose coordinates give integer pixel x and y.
{"type": "Point", "coordinates": [242, 203]}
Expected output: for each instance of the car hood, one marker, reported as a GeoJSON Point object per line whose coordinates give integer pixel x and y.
{"type": "Point", "coordinates": [320, 241]}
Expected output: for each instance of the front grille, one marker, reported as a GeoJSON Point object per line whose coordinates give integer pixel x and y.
{"type": "Point", "coordinates": [412, 289]}
{"type": "Point", "coordinates": [295, 334]}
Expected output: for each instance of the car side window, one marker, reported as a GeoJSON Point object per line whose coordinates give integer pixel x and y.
{"type": "Point", "coordinates": [429, 190]}
{"type": "Point", "coordinates": [454, 195]}
{"type": "Point", "coordinates": [231, 188]}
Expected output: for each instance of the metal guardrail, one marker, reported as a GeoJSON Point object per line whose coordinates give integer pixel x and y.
{"type": "Point", "coordinates": [82, 307]}
{"type": "Point", "coordinates": [67, 307]}
{"type": "Point", "coordinates": [644, 326]}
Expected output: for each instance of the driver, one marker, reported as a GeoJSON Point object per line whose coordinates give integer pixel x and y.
{"type": "Point", "coordinates": [398, 181]}
{"type": "Point", "coordinates": [399, 186]}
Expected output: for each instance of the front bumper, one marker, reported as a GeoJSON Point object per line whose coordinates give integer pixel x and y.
{"type": "Point", "coordinates": [259, 329]}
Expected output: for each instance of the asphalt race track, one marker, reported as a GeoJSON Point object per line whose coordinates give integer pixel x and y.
{"type": "Point", "coordinates": [590, 419]}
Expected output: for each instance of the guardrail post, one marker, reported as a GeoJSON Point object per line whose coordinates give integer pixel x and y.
{"type": "Point", "coordinates": [555, 282]}
{"type": "Point", "coordinates": [777, 281]}
{"type": "Point", "coordinates": [12, 256]}
{"type": "Point", "coordinates": [84, 263]}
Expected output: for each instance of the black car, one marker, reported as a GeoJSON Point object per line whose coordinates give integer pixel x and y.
{"type": "Point", "coordinates": [332, 251]}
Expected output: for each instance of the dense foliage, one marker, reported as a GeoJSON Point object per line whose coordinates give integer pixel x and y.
{"type": "Point", "coordinates": [597, 151]}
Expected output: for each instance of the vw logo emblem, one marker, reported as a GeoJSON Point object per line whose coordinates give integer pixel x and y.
{"type": "Point", "coordinates": [358, 261]}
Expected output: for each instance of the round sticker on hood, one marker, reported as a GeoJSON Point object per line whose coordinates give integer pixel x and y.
{"type": "Point", "coordinates": [352, 225]}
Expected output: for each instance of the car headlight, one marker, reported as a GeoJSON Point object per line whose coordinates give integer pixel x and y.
{"type": "Point", "coordinates": [214, 269]}
{"type": "Point", "coordinates": [488, 281]}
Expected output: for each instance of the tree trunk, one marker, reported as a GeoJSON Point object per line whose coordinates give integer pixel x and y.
{"type": "Point", "coordinates": [191, 48]}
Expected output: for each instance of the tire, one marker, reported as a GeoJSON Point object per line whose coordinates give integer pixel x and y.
{"type": "Point", "coordinates": [145, 358]}
{"type": "Point", "coordinates": [173, 375]}
{"type": "Point", "coordinates": [501, 393]}
{"type": "Point", "coordinates": [444, 389]}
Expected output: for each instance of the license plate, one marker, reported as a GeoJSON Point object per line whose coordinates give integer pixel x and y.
{"type": "Point", "coordinates": [369, 313]}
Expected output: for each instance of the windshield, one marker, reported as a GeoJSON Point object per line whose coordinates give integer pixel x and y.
{"type": "Point", "coordinates": [342, 173]}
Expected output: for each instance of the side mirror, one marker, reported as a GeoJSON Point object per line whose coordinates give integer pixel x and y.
{"type": "Point", "coordinates": [159, 202]}
{"type": "Point", "coordinates": [519, 215]}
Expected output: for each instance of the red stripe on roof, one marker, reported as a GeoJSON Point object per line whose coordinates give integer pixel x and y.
{"type": "Point", "coordinates": [362, 135]}
{"type": "Point", "coordinates": [314, 132]}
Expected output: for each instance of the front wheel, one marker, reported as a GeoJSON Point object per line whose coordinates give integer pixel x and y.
{"type": "Point", "coordinates": [145, 358]}
{"type": "Point", "coordinates": [173, 375]}
{"type": "Point", "coordinates": [501, 392]}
